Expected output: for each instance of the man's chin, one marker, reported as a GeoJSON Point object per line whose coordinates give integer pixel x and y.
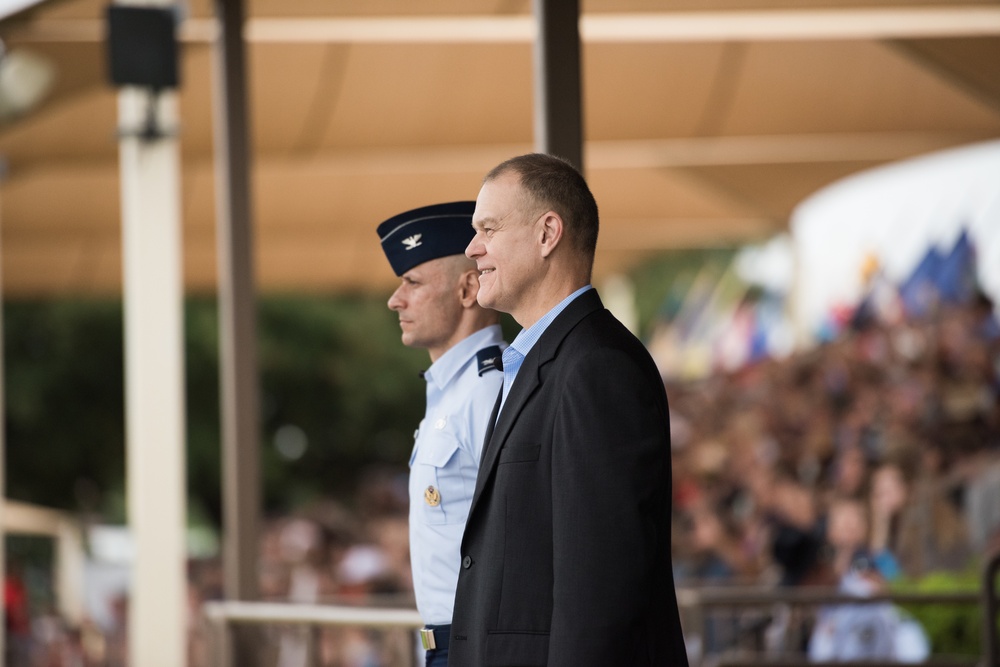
{"type": "Point", "coordinates": [485, 299]}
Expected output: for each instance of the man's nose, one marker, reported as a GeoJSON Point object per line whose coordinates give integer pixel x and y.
{"type": "Point", "coordinates": [395, 302]}
{"type": "Point", "coordinates": [475, 248]}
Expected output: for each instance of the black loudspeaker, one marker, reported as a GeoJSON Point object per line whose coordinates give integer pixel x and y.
{"type": "Point", "coordinates": [142, 46]}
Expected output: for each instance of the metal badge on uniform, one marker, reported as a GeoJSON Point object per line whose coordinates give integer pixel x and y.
{"type": "Point", "coordinates": [489, 359]}
{"type": "Point", "coordinates": [432, 496]}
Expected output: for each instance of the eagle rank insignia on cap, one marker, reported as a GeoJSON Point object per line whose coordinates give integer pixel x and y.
{"type": "Point", "coordinates": [414, 237]}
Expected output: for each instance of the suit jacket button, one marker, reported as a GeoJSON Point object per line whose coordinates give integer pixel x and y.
{"type": "Point", "coordinates": [467, 562]}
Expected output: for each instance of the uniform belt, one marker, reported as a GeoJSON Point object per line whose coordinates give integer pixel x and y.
{"type": "Point", "coordinates": [435, 637]}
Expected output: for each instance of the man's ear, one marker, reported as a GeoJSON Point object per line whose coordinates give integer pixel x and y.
{"type": "Point", "coordinates": [468, 287]}
{"type": "Point", "coordinates": [551, 232]}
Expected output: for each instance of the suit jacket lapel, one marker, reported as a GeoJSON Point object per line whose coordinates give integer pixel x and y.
{"type": "Point", "coordinates": [490, 427]}
{"type": "Point", "coordinates": [527, 382]}
{"type": "Point", "coordinates": [524, 386]}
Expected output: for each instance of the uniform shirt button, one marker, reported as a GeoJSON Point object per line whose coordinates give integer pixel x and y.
{"type": "Point", "coordinates": [467, 562]}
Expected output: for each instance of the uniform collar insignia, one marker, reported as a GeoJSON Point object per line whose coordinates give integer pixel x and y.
{"type": "Point", "coordinates": [489, 359]}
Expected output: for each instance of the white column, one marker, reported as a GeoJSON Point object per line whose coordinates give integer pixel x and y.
{"type": "Point", "coordinates": [154, 384]}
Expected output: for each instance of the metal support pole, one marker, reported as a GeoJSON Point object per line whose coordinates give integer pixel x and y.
{"type": "Point", "coordinates": [237, 317]}
{"type": "Point", "coordinates": [558, 99]}
{"type": "Point", "coordinates": [3, 481]}
{"type": "Point", "coordinates": [154, 382]}
{"type": "Point", "coordinates": [991, 644]}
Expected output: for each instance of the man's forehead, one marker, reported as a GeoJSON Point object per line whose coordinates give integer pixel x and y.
{"type": "Point", "coordinates": [424, 269]}
{"type": "Point", "coordinates": [431, 267]}
{"type": "Point", "coordinates": [492, 216]}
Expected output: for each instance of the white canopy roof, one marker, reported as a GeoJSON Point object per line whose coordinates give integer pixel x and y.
{"type": "Point", "coordinates": [706, 122]}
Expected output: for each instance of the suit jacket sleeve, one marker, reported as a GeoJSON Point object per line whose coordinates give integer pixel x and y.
{"type": "Point", "coordinates": [610, 473]}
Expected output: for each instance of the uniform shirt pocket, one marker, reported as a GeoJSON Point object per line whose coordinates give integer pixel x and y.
{"type": "Point", "coordinates": [440, 488]}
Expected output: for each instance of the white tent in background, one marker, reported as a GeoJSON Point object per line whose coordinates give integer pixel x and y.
{"type": "Point", "coordinates": [894, 214]}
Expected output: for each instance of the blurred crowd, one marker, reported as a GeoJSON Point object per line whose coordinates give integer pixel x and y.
{"type": "Point", "coordinates": [876, 455]}
{"type": "Point", "coordinates": [883, 444]}
{"type": "Point", "coordinates": [870, 460]}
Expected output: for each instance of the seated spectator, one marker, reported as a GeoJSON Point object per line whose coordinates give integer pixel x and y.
{"type": "Point", "coordinates": [796, 531]}
{"type": "Point", "coordinates": [847, 632]}
{"type": "Point", "coordinates": [917, 523]}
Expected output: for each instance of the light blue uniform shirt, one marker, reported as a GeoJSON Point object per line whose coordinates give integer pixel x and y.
{"type": "Point", "coordinates": [443, 469]}
{"type": "Point", "coordinates": [514, 355]}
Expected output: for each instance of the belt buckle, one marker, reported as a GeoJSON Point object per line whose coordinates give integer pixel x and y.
{"type": "Point", "coordinates": [427, 639]}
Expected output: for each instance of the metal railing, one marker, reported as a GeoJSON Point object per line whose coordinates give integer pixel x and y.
{"type": "Point", "coordinates": [695, 605]}
{"type": "Point", "coordinates": [18, 518]}
{"type": "Point", "coordinates": [223, 615]}
{"type": "Point", "coordinates": [700, 606]}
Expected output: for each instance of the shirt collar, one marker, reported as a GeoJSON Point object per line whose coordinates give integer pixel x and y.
{"type": "Point", "coordinates": [449, 364]}
{"type": "Point", "coordinates": [527, 338]}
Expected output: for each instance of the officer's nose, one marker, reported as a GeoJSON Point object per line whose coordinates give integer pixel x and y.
{"type": "Point", "coordinates": [395, 301]}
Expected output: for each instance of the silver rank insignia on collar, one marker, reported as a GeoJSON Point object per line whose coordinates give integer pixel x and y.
{"type": "Point", "coordinates": [489, 359]}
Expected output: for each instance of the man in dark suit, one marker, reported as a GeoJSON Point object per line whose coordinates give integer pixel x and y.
{"type": "Point", "coordinates": [566, 552]}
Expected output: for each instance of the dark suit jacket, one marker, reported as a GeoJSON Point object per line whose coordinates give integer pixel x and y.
{"type": "Point", "coordinates": [566, 553]}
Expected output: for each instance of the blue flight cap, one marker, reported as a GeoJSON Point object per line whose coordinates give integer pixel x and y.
{"type": "Point", "coordinates": [426, 233]}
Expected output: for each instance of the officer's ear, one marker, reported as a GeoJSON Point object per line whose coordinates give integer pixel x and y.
{"type": "Point", "coordinates": [468, 287]}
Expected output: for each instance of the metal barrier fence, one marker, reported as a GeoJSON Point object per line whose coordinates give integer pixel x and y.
{"type": "Point", "coordinates": [737, 620]}
{"type": "Point", "coordinates": [696, 606]}
{"type": "Point", "coordinates": [222, 616]}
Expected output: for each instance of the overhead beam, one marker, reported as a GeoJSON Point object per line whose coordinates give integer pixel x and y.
{"type": "Point", "coordinates": [292, 253]}
{"type": "Point", "coordinates": [662, 27]}
{"type": "Point", "coordinates": [632, 234]}
{"type": "Point", "coordinates": [623, 154]}
{"type": "Point", "coordinates": [916, 52]}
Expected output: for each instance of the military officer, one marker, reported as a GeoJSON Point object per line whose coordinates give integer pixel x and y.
{"type": "Point", "coordinates": [438, 311]}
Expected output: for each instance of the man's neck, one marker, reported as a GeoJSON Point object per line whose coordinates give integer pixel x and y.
{"type": "Point", "coordinates": [543, 303]}
{"type": "Point", "coordinates": [463, 331]}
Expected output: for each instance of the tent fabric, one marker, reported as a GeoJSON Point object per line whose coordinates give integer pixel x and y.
{"type": "Point", "coordinates": [919, 222]}
{"type": "Point", "coordinates": [691, 140]}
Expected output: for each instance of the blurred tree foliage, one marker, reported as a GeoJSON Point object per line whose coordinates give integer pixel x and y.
{"type": "Point", "coordinates": [952, 629]}
{"type": "Point", "coordinates": [334, 376]}
{"type": "Point", "coordinates": [662, 282]}
{"type": "Point", "coordinates": [339, 393]}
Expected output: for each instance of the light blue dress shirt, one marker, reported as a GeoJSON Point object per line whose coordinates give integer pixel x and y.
{"type": "Point", "coordinates": [443, 468]}
{"type": "Point", "coordinates": [514, 355]}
